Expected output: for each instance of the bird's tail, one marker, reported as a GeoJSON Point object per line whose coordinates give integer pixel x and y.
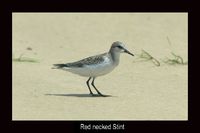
{"type": "Point", "coordinates": [59, 66]}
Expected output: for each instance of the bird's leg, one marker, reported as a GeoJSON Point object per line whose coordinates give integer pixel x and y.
{"type": "Point", "coordinates": [87, 82]}
{"type": "Point", "coordinates": [96, 88]}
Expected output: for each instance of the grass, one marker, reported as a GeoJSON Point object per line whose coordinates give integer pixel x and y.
{"type": "Point", "coordinates": [24, 59]}
{"type": "Point", "coordinates": [175, 60]}
{"type": "Point", "coordinates": [145, 55]}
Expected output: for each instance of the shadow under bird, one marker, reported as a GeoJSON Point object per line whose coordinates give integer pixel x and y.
{"type": "Point", "coordinates": [97, 65]}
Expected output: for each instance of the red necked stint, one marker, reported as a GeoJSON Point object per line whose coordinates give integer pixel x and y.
{"type": "Point", "coordinates": [97, 65]}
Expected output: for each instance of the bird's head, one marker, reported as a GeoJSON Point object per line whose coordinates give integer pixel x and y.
{"type": "Point", "coordinates": [119, 47]}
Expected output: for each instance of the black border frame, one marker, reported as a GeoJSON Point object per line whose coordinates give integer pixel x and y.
{"type": "Point", "coordinates": [87, 6]}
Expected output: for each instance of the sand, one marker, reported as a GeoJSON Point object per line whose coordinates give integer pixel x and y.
{"type": "Point", "coordinates": [139, 90]}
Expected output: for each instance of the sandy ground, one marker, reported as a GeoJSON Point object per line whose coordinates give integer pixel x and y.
{"type": "Point", "coordinates": [140, 90]}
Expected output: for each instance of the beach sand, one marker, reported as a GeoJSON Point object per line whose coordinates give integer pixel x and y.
{"type": "Point", "coordinates": [139, 90]}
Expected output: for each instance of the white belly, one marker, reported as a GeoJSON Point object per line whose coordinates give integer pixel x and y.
{"type": "Point", "coordinates": [93, 70]}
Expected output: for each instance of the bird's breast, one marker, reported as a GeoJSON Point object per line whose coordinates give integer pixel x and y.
{"type": "Point", "coordinates": [102, 68]}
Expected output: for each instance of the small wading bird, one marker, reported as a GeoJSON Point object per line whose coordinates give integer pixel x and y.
{"type": "Point", "coordinates": [97, 65]}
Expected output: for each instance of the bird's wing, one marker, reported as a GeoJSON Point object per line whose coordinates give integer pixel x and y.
{"type": "Point", "coordinates": [87, 61]}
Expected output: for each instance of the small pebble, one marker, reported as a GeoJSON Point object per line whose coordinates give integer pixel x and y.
{"type": "Point", "coordinates": [29, 48]}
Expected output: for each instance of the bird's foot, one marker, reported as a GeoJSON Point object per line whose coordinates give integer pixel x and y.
{"type": "Point", "coordinates": [101, 95]}
{"type": "Point", "coordinates": [91, 93]}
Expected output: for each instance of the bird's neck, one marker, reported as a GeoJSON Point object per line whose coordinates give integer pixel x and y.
{"type": "Point", "coordinates": [115, 56]}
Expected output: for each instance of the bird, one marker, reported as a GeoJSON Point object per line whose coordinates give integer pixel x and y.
{"type": "Point", "coordinates": [95, 66]}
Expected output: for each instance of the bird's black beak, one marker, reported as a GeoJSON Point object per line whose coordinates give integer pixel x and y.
{"type": "Point", "coordinates": [126, 51]}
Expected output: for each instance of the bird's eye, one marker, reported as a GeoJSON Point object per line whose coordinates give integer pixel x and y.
{"type": "Point", "coordinates": [120, 47]}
